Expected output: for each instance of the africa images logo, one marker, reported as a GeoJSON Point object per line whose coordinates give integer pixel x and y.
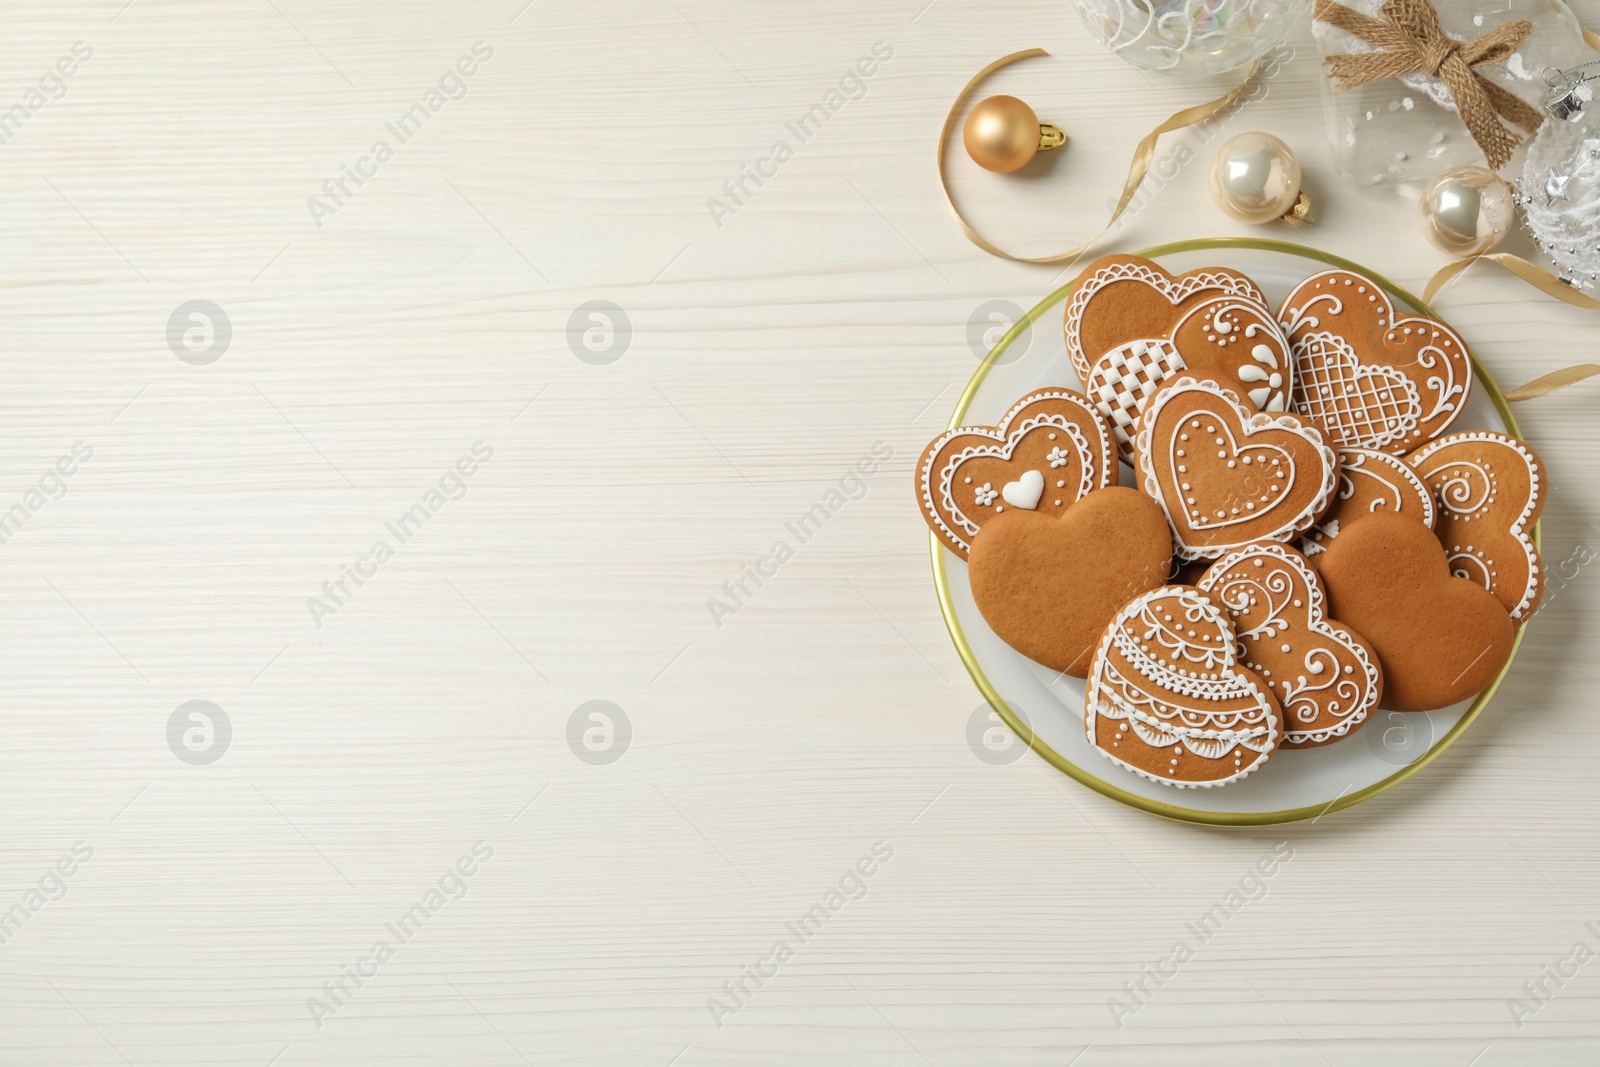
{"type": "Point", "coordinates": [852, 85]}
{"type": "Point", "coordinates": [451, 85]}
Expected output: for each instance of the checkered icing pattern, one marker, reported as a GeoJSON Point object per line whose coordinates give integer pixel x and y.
{"type": "Point", "coordinates": [1124, 378]}
{"type": "Point", "coordinates": [1361, 404]}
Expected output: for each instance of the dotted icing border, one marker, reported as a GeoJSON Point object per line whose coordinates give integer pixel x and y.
{"type": "Point", "coordinates": [1311, 547]}
{"type": "Point", "coordinates": [1001, 433]}
{"type": "Point", "coordinates": [1158, 278]}
{"type": "Point", "coordinates": [1519, 528]}
{"type": "Point", "coordinates": [1293, 319]}
{"type": "Point", "coordinates": [1093, 701]}
{"type": "Point", "coordinates": [1318, 622]}
{"type": "Point", "coordinates": [1252, 422]}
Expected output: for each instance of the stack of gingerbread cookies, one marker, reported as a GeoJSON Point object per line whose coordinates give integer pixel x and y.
{"type": "Point", "coordinates": [1304, 541]}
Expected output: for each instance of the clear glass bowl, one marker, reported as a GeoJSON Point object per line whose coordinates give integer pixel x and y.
{"type": "Point", "coordinates": [1191, 36]}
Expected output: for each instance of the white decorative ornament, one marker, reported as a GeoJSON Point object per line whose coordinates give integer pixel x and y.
{"type": "Point", "coordinates": [1560, 196]}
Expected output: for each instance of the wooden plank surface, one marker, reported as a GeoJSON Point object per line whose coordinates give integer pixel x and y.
{"type": "Point", "coordinates": [379, 339]}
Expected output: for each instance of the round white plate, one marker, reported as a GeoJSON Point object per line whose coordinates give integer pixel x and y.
{"type": "Point", "coordinates": [1046, 709]}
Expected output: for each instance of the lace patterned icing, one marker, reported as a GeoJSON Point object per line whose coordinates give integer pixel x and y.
{"type": "Point", "coordinates": [956, 510]}
{"type": "Point", "coordinates": [1166, 676]}
{"type": "Point", "coordinates": [1357, 394]}
{"type": "Point", "coordinates": [1361, 404]}
{"type": "Point", "coordinates": [1275, 483]}
{"type": "Point", "coordinates": [1176, 290]}
{"type": "Point", "coordinates": [1334, 684]}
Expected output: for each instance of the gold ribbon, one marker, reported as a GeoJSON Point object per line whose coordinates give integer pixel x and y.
{"type": "Point", "coordinates": [1545, 282]}
{"type": "Point", "coordinates": [1142, 156]}
{"type": "Point", "coordinates": [1537, 277]}
{"type": "Point", "coordinates": [1410, 40]}
{"type": "Point", "coordinates": [1558, 379]}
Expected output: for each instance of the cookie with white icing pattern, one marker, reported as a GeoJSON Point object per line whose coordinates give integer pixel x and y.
{"type": "Point", "coordinates": [1050, 449]}
{"type": "Point", "coordinates": [1375, 378]}
{"type": "Point", "coordinates": [1325, 676]}
{"type": "Point", "coordinates": [1168, 698]}
{"type": "Point", "coordinates": [1490, 490]}
{"type": "Point", "coordinates": [1370, 481]}
{"type": "Point", "coordinates": [1117, 298]}
{"type": "Point", "coordinates": [1227, 476]}
{"type": "Point", "coordinates": [1131, 325]}
{"type": "Point", "coordinates": [1228, 339]}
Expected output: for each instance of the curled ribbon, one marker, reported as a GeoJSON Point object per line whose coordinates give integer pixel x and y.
{"type": "Point", "coordinates": [1410, 40]}
{"type": "Point", "coordinates": [1549, 383]}
{"type": "Point", "coordinates": [1545, 282]}
{"type": "Point", "coordinates": [1540, 279]}
{"type": "Point", "coordinates": [1142, 156]}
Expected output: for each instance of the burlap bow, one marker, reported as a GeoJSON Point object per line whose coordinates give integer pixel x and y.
{"type": "Point", "coordinates": [1410, 40]}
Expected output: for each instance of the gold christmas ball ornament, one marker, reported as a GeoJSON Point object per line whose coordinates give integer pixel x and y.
{"type": "Point", "coordinates": [1003, 133]}
{"type": "Point", "coordinates": [1256, 178]}
{"type": "Point", "coordinates": [1467, 211]}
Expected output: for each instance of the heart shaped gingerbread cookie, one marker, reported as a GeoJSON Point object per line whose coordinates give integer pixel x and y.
{"type": "Point", "coordinates": [1439, 638]}
{"type": "Point", "coordinates": [1120, 299]}
{"type": "Point", "coordinates": [1490, 489]}
{"type": "Point", "coordinates": [1227, 339]}
{"type": "Point", "coordinates": [1048, 586]}
{"type": "Point", "coordinates": [1049, 450]}
{"type": "Point", "coordinates": [1326, 678]}
{"type": "Point", "coordinates": [1227, 476]}
{"type": "Point", "coordinates": [1370, 480]}
{"type": "Point", "coordinates": [1168, 700]}
{"type": "Point", "coordinates": [1374, 378]}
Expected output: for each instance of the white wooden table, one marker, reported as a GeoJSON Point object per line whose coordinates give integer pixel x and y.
{"type": "Point", "coordinates": [227, 912]}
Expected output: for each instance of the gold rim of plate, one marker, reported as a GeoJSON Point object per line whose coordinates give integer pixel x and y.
{"type": "Point", "coordinates": [1072, 770]}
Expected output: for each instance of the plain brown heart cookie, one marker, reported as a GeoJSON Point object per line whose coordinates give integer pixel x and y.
{"type": "Point", "coordinates": [1050, 449]}
{"type": "Point", "coordinates": [1370, 480]}
{"type": "Point", "coordinates": [1439, 638]}
{"type": "Point", "coordinates": [1119, 298]}
{"type": "Point", "coordinates": [1168, 699]}
{"type": "Point", "coordinates": [1227, 476]}
{"type": "Point", "coordinates": [1325, 677]}
{"type": "Point", "coordinates": [1490, 489]}
{"type": "Point", "coordinates": [1374, 378]}
{"type": "Point", "coordinates": [1048, 585]}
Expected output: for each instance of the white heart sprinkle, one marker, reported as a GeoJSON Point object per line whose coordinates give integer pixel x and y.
{"type": "Point", "coordinates": [1025, 491]}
